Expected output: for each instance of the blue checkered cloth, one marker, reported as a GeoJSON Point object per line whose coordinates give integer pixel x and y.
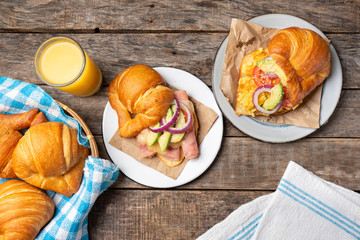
{"type": "Point", "coordinates": [70, 218]}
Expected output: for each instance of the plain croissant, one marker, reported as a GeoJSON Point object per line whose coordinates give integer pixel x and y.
{"type": "Point", "coordinates": [50, 157]}
{"type": "Point", "coordinates": [20, 120]}
{"type": "Point", "coordinates": [9, 137]}
{"type": "Point", "coordinates": [303, 58]}
{"type": "Point", "coordinates": [139, 90]}
{"type": "Point", "coordinates": [24, 210]}
{"type": "Point", "coordinates": [8, 141]}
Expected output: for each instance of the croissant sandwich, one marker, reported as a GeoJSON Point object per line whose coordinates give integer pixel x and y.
{"type": "Point", "coordinates": [164, 122]}
{"type": "Point", "coordinates": [139, 90]}
{"type": "Point", "coordinates": [276, 79]}
{"type": "Point", "coordinates": [49, 156]}
{"type": "Point", "coordinates": [24, 210]}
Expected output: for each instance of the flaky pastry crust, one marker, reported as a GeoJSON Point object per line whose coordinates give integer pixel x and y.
{"type": "Point", "coordinates": [24, 210]}
{"type": "Point", "coordinates": [49, 156]}
{"type": "Point", "coordinates": [139, 90]}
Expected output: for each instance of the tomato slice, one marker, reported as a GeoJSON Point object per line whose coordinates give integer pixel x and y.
{"type": "Point", "coordinates": [185, 114]}
{"type": "Point", "coordinates": [186, 119]}
{"type": "Point", "coordinates": [261, 79]}
{"type": "Point", "coordinates": [286, 97]}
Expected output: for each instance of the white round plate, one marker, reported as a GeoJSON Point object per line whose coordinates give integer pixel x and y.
{"type": "Point", "coordinates": [209, 148]}
{"type": "Point", "coordinates": [276, 133]}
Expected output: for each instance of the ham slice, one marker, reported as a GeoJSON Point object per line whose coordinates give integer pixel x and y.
{"type": "Point", "coordinates": [172, 154]}
{"type": "Point", "coordinates": [181, 95]}
{"type": "Point", "coordinates": [145, 152]}
{"type": "Point", "coordinates": [189, 144]}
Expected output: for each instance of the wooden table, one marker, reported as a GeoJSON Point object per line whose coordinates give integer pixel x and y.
{"type": "Point", "coordinates": [186, 35]}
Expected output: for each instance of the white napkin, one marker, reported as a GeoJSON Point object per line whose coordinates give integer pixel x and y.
{"type": "Point", "coordinates": [303, 206]}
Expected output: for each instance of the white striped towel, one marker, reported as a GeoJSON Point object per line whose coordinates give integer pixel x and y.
{"type": "Point", "coordinates": [304, 207]}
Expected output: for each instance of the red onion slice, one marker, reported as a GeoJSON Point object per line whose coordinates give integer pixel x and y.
{"type": "Point", "coordinates": [270, 58]}
{"type": "Point", "coordinates": [163, 125]}
{"type": "Point", "coordinates": [162, 122]}
{"type": "Point", "coordinates": [258, 91]}
{"type": "Point", "coordinates": [271, 75]}
{"type": "Point", "coordinates": [187, 124]}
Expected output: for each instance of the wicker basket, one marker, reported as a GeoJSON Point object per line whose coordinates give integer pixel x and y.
{"type": "Point", "coordinates": [90, 137]}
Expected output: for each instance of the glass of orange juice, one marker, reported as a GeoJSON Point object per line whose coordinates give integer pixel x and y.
{"type": "Point", "coordinates": [61, 62]}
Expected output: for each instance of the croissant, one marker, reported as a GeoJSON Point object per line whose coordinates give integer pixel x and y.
{"type": "Point", "coordinates": [39, 118]}
{"type": "Point", "coordinates": [20, 120]}
{"type": "Point", "coordinates": [301, 60]}
{"type": "Point", "coordinates": [24, 210]}
{"type": "Point", "coordinates": [10, 137]}
{"type": "Point", "coordinates": [49, 156]}
{"type": "Point", "coordinates": [8, 140]}
{"type": "Point", "coordinates": [139, 91]}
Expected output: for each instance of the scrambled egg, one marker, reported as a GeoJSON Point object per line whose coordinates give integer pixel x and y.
{"type": "Point", "coordinates": [245, 92]}
{"type": "Point", "coordinates": [247, 86]}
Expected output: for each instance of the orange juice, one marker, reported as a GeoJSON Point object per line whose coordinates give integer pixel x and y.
{"type": "Point", "coordinates": [62, 63]}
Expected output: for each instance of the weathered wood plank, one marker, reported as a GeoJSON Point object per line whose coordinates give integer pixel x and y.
{"type": "Point", "coordinates": [193, 52]}
{"type": "Point", "coordinates": [154, 214]}
{"type": "Point", "coordinates": [115, 52]}
{"type": "Point", "coordinates": [107, 15]}
{"type": "Point", "coordinates": [186, 35]}
{"type": "Point", "coordinates": [343, 123]}
{"type": "Point", "coordinates": [349, 55]}
{"type": "Point", "coordinates": [245, 163]}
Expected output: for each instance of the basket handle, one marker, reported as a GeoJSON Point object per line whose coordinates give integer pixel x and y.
{"type": "Point", "coordinates": [89, 136]}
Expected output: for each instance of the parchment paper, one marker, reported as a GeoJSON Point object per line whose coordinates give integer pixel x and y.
{"type": "Point", "coordinates": [245, 37]}
{"type": "Point", "coordinates": [206, 117]}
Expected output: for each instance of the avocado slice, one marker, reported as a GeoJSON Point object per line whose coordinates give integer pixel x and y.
{"type": "Point", "coordinates": [165, 137]}
{"type": "Point", "coordinates": [265, 64]}
{"type": "Point", "coordinates": [169, 115]}
{"type": "Point", "coordinates": [275, 98]}
{"type": "Point", "coordinates": [164, 140]}
{"type": "Point", "coordinates": [180, 122]}
{"type": "Point", "coordinates": [152, 137]}
{"type": "Point", "coordinates": [269, 66]}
